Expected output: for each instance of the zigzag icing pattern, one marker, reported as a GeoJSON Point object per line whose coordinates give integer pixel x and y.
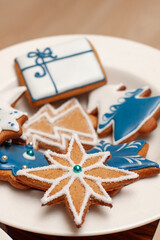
{"type": "Point", "coordinates": [60, 134]}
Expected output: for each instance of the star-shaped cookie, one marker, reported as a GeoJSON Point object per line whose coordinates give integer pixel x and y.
{"type": "Point", "coordinates": [76, 178]}
{"type": "Point", "coordinates": [11, 119]}
{"type": "Point", "coordinates": [52, 128]}
{"type": "Point", "coordinates": [127, 112]}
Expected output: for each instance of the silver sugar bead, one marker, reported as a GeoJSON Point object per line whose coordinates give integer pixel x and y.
{"type": "Point", "coordinates": [24, 167]}
{"type": "Point", "coordinates": [30, 143]}
{"type": "Point", "coordinates": [4, 158]}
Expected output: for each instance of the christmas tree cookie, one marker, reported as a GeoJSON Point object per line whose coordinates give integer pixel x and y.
{"type": "Point", "coordinates": [127, 113]}
{"type": "Point", "coordinates": [52, 128]}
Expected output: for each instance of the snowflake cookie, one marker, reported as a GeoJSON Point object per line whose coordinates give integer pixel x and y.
{"type": "Point", "coordinates": [128, 156]}
{"type": "Point", "coordinates": [15, 157]}
{"type": "Point", "coordinates": [52, 128]}
{"type": "Point", "coordinates": [127, 112]}
{"type": "Point", "coordinates": [76, 178]}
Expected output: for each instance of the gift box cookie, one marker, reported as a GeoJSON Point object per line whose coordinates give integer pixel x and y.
{"type": "Point", "coordinates": [59, 72]}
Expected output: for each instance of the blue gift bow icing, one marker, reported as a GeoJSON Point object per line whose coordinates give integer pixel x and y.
{"type": "Point", "coordinates": [40, 61]}
{"type": "Point", "coordinates": [47, 53]}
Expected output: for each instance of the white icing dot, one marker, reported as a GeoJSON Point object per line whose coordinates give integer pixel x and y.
{"type": "Point", "coordinates": [25, 155]}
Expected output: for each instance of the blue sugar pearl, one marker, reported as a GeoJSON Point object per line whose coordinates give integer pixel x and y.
{"type": "Point", "coordinates": [30, 153]}
{"type": "Point", "coordinates": [77, 169]}
{"type": "Point", "coordinates": [12, 124]}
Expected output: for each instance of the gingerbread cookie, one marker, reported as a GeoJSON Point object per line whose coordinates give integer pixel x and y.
{"type": "Point", "coordinates": [9, 97]}
{"type": "Point", "coordinates": [52, 128]}
{"type": "Point", "coordinates": [59, 72]}
{"type": "Point", "coordinates": [11, 119]}
{"type": "Point", "coordinates": [76, 178]}
{"type": "Point", "coordinates": [127, 113]}
{"type": "Point", "coordinates": [129, 156]}
{"type": "Point", "coordinates": [15, 157]}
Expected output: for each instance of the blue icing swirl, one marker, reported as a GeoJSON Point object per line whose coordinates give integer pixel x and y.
{"type": "Point", "coordinates": [16, 160]}
{"type": "Point", "coordinates": [124, 156]}
{"type": "Point", "coordinates": [130, 113]}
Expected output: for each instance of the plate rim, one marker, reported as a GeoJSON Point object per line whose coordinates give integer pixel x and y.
{"type": "Point", "coordinates": [80, 35]}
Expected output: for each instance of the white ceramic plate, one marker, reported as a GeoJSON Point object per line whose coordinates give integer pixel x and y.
{"type": "Point", "coordinates": [137, 204]}
{"type": "Point", "coordinates": [4, 235]}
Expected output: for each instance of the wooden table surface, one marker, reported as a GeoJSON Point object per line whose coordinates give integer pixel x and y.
{"type": "Point", "coordinates": [138, 20]}
{"type": "Point", "coordinates": [142, 233]}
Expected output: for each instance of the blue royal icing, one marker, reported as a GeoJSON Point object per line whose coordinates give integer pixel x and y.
{"type": "Point", "coordinates": [40, 60]}
{"type": "Point", "coordinates": [124, 156]}
{"type": "Point", "coordinates": [14, 157]}
{"type": "Point", "coordinates": [129, 114]}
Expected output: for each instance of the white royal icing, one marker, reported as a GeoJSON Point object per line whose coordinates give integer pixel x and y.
{"type": "Point", "coordinates": [8, 119]}
{"type": "Point", "coordinates": [89, 138]}
{"type": "Point", "coordinates": [103, 97]}
{"type": "Point", "coordinates": [68, 66]}
{"type": "Point", "coordinates": [9, 115]}
{"type": "Point", "coordinates": [108, 97]}
{"type": "Point", "coordinates": [69, 173]}
{"type": "Point", "coordinates": [26, 156]}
